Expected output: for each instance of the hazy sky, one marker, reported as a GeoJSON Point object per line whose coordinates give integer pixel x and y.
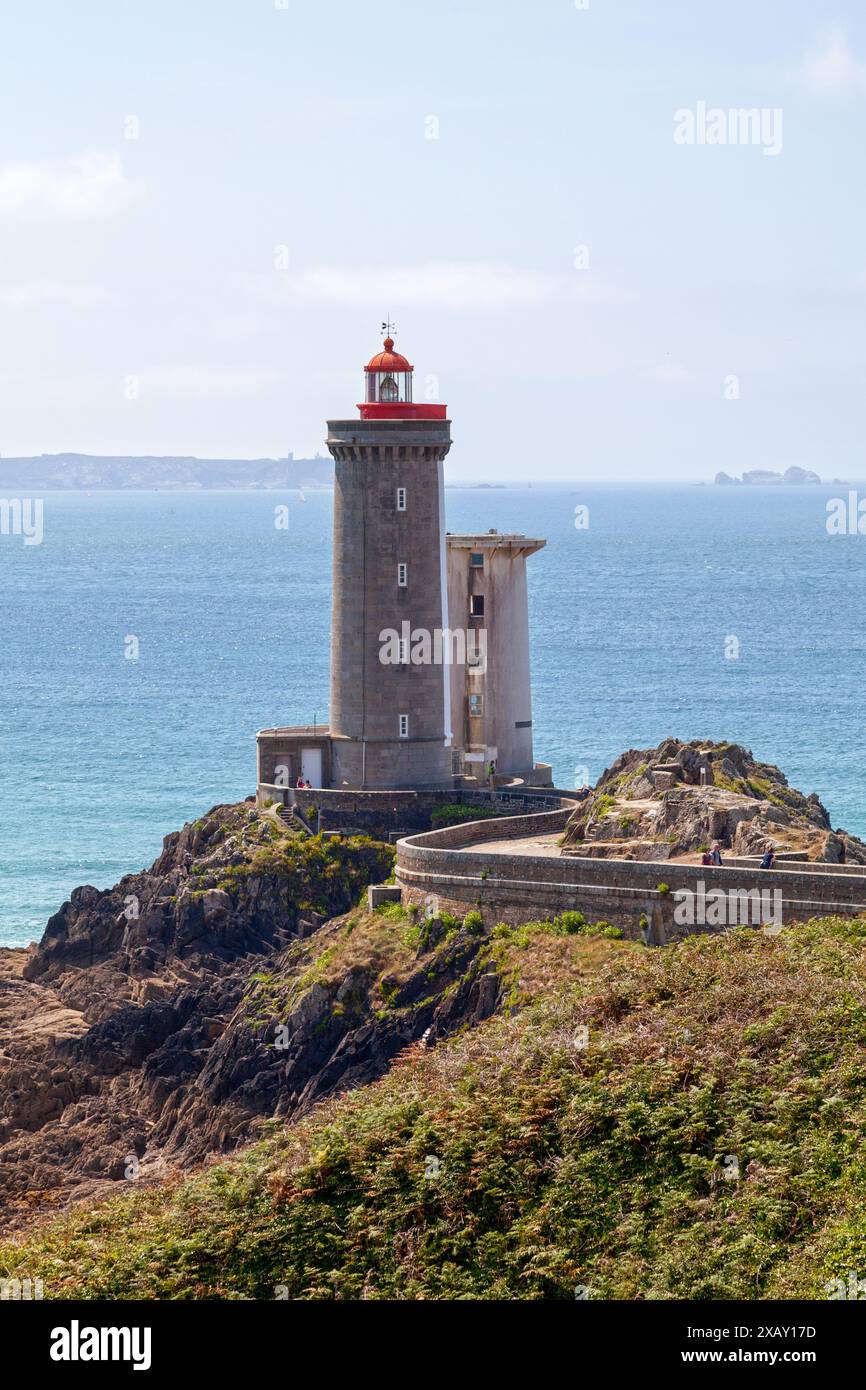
{"type": "Point", "coordinates": [298, 170]}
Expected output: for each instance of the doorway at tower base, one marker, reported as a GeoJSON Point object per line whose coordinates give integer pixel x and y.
{"type": "Point", "coordinates": [293, 754]}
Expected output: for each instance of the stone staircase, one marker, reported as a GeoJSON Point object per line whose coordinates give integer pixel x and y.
{"type": "Point", "coordinates": [291, 816]}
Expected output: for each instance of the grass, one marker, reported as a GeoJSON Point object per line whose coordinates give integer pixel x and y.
{"type": "Point", "coordinates": [584, 1139]}
{"type": "Point", "coordinates": [456, 813]}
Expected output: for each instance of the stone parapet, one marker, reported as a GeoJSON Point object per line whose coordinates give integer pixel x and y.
{"type": "Point", "coordinates": [452, 866]}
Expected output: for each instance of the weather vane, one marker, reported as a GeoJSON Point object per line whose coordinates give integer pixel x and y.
{"type": "Point", "coordinates": [388, 327]}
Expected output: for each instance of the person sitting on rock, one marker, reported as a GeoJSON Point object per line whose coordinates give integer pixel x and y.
{"type": "Point", "coordinates": [707, 857]}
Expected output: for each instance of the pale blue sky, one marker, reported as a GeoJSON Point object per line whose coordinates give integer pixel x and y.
{"type": "Point", "coordinates": [305, 127]}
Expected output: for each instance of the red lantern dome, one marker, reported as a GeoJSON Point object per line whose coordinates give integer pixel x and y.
{"type": "Point", "coordinates": [388, 389]}
{"type": "Point", "coordinates": [389, 360]}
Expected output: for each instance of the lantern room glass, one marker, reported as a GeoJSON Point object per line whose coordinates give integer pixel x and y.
{"type": "Point", "coordinates": [389, 387]}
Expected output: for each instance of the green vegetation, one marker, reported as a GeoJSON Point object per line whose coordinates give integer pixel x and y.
{"type": "Point", "coordinates": [456, 813]}
{"type": "Point", "coordinates": [324, 876]}
{"type": "Point", "coordinates": [732, 784]}
{"type": "Point", "coordinates": [377, 947]}
{"type": "Point", "coordinates": [585, 1137]}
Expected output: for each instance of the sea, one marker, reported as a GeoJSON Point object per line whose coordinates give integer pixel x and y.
{"type": "Point", "coordinates": [149, 635]}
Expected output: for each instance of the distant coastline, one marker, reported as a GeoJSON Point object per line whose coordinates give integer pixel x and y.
{"type": "Point", "coordinates": [85, 472]}
{"type": "Point", "coordinates": [179, 473]}
{"type": "Point", "coordinates": [73, 472]}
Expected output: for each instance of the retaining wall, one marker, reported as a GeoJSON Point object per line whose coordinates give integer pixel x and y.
{"type": "Point", "coordinates": [518, 888]}
{"type": "Point", "coordinates": [380, 813]}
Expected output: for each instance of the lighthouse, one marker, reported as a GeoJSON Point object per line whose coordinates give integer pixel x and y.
{"type": "Point", "coordinates": [430, 685]}
{"type": "Point", "coordinates": [389, 719]}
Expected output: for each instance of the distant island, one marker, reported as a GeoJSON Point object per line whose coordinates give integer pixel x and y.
{"type": "Point", "coordinates": [93, 471]}
{"type": "Point", "coordinates": [763, 477]}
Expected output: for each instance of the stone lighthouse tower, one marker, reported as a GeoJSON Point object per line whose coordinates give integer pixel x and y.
{"type": "Point", "coordinates": [389, 714]}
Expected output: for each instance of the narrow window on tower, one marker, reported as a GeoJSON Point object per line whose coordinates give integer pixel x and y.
{"type": "Point", "coordinates": [403, 725]}
{"type": "Point", "coordinates": [476, 559]}
{"type": "Point", "coordinates": [476, 706]}
{"type": "Point", "coordinates": [476, 605]}
{"type": "Point", "coordinates": [402, 575]}
{"type": "Point", "coordinates": [401, 499]}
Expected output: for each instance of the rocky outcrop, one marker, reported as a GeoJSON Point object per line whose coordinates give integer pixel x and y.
{"type": "Point", "coordinates": [800, 476]}
{"type": "Point", "coordinates": [678, 798]}
{"type": "Point", "coordinates": [161, 928]}
{"type": "Point", "coordinates": [294, 1041]}
{"type": "Point", "coordinates": [766, 477]}
{"type": "Point", "coordinates": [165, 1019]}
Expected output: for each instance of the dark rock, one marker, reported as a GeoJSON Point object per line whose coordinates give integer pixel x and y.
{"type": "Point", "coordinates": [151, 1045]}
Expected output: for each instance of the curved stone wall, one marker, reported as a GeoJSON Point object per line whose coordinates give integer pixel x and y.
{"type": "Point", "coordinates": [646, 899]}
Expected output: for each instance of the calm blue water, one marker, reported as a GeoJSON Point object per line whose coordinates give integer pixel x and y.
{"type": "Point", "coordinates": [102, 756]}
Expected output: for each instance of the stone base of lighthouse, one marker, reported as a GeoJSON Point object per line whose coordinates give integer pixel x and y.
{"type": "Point", "coordinates": [395, 763]}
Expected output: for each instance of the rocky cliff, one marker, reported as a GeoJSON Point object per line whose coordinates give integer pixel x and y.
{"type": "Point", "coordinates": [235, 980]}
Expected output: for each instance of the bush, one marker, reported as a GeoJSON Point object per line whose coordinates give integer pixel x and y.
{"type": "Point", "coordinates": [572, 922]}
{"type": "Point", "coordinates": [327, 876]}
{"type": "Point", "coordinates": [473, 922]}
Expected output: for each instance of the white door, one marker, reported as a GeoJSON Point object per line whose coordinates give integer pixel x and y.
{"type": "Point", "coordinates": [311, 766]}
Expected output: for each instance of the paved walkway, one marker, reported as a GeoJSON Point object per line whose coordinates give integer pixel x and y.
{"type": "Point", "coordinates": [550, 845]}
{"type": "Point", "coordinates": [531, 844]}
